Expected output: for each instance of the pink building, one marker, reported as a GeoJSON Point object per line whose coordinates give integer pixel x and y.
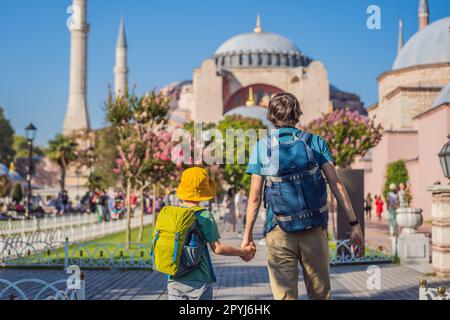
{"type": "Point", "coordinates": [414, 109]}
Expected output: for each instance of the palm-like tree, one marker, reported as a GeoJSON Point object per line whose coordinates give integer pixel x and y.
{"type": "Point", "coordinates": [62, 151]}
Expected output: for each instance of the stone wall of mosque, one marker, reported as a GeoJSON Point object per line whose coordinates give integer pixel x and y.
{"type": "Point", "coordinates": [212, 87]}
{"type": "Point", "coordinates": [406, 93]}
{"type": "Point", "coordinates": [208, 92]}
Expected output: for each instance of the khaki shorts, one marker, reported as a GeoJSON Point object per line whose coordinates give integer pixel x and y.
{"type": "Point", "coordinates": [286, 250]}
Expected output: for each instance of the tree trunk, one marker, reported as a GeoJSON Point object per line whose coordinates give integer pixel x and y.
{"type": "Point", "coordinates": [62, 183]}
{"type": "Point", "coordinates": [128, 229]}
{"type": "Point", "coordinates": [141, 225]}
{"type": "Point", "coordinates": [154, 205]}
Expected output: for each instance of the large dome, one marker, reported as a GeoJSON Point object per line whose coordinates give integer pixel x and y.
{"type": "Point", "coordinates": [257, 41]}
{"type": "Point", "coordinates": [428, 46]}
{"type": "Point", "coordinates": [260, 49]}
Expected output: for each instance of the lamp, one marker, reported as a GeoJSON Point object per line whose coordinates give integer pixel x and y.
{"type": "Point", "coordinates": [30, 132]}
{"type": "Point", "coordinates": [444, 158]}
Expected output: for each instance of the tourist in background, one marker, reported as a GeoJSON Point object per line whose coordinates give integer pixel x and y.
{"type": "Point", "coordinates": [240, 205]}
{"type": "Point", "coordinates": [368, 206]}
{"type": "Point", "coordinates": [230, 216]}
{"type": "Point", "coordinates": [403, 196]}
{"type": "Point", "coordinates": [392, 206]}
{"type": "Point", "coordinates": [379, 207]}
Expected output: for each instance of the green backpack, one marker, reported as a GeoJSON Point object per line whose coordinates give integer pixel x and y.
{"type": "Point", "coordinates": [171, 252]}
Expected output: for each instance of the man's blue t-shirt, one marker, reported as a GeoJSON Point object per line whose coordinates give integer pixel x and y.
{"type": "Point", "coordinates": [321, 152]}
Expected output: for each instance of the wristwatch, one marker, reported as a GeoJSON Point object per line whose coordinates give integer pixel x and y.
{"type": "Point", "coordinates": [354, 223]}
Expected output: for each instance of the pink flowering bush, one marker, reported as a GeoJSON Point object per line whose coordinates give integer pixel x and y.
{"type": "Point", "coordinates": [347, 133]}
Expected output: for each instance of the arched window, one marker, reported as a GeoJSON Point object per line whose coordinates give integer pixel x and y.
{"type": "Point", "coordinates": [240, 97]}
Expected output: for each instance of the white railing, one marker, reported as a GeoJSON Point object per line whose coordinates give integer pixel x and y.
{"type": "Point", "coordinates": [10, 228]}
{"type": "Point", "coordinates": [36, 289]}
{"type": "Point", "coordinates": [341, 252]}
{"type": "Point", "coordinates": [77, 233]}
{"type": "Point", "coordinates": [426, 293]}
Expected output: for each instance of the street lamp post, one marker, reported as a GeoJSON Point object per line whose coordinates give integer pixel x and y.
{"type": "Point", "coordinates": [30, 132]}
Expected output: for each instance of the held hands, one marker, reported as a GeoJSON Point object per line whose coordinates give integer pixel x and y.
{"type": "Point", "coordinates": [357, 240]}
{"type": "Point", "coordinates": [250, 248]}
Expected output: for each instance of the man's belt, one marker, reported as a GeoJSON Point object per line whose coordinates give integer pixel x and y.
{"type": "Point", "coordinates": [301, 216]}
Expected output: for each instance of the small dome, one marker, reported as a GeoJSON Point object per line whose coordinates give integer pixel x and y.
{"type": "Point", "coordinates": [255, 112]}
{"type": "Point", "coordinates": [443, 98]}
{"type": "Point", "coordinates": [428, 46]}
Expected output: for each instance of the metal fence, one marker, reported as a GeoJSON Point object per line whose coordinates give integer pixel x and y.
{"type": "Point", "coordinates": [60, 248]}
{"type": "Point", "coordinates": [75, 232]}
{"type": "Point", "coordinates": [9, 228]}
{"type": "Point", "coordinates": [341, 252]}
{"type": "Point", "coordinates": [426, 293]}
{"type": "Point", "coordinates": [36, 289]}
{"type": "Point", "coordinates": [84, 255]}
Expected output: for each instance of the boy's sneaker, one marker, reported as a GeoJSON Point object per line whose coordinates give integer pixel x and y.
{"type": "Point", "coordinates": [262, 242]}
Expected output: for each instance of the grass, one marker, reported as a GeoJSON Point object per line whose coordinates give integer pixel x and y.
{"type": "Point", "coordinates": [101, 249]}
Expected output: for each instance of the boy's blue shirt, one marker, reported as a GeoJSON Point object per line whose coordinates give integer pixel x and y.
{"type": "Point", "coordinates": [321, 152]}
{"type": "Point", "coordinates": [205, 271]}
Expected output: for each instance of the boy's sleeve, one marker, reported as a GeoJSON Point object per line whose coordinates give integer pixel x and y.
{"type": "Point", "coordinates": [208, 226]}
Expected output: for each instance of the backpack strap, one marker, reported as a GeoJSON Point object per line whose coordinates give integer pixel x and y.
{"type": "Point", "coordinates": [305, 137]}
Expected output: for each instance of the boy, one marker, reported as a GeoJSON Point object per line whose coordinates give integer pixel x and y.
{"type": "Point", "coordinates": [196, 187]}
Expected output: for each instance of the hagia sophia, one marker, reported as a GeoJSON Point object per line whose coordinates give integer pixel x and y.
{"type": "Point", "coordinates": [246, 70]}
{"type": "Point", "coordinates": [263, 64]}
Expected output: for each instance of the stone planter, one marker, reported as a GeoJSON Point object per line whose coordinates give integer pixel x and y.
{"type": "Point", "coordinates": [409, 219]}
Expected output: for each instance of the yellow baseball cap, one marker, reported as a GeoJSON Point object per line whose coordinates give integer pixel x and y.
{"type": "Point", "coordinates": [196, 185]}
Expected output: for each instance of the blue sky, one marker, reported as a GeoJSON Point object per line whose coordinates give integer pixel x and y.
{"type": "Point", "coordinates": [168, 39]}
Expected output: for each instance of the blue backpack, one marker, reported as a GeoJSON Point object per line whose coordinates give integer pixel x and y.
{"type": "Point", "coordinates": [295, 189]}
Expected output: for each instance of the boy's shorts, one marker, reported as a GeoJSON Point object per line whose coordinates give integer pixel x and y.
{"type": "Point", "coordinates": [189, 290]}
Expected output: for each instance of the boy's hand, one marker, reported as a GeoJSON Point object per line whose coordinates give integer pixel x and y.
{"type": "Point", "coordinates": [250, 253]}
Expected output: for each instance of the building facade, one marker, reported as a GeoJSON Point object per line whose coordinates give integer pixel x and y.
{"type": "Point", "coordinates": [413, 107]}
{"type": "Point", "coordinates": [266, 63]}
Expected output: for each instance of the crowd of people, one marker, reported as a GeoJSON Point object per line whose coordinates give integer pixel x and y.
{"type": "Point", "coordinates": [397, 197]}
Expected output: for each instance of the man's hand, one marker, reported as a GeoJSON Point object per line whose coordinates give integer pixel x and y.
{"type": "Point", "coordinates": [246, 244]}
{"type": "Point", "coordinates": [357, 239]}
{"type": "Point", "coordinates": [250, 253]}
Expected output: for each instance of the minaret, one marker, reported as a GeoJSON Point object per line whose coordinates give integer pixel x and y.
{"type": "Point", "coordinates": [400, 36]}
{"type": "Point", "coordinates": [121, 68]}
{"type": "Point", "coordinates": [424, 14]}
{"type": "Point", "coordinates": [77, 117]}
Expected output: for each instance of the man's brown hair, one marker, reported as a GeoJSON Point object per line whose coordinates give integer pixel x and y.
{"type": "Point", "coordinates": [284, 110]}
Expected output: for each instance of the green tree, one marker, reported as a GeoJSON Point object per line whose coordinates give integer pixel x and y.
{"type": "Point", "coordinates": [143, 146]}
{"type": "Point", "coordinates": [6, 139]}
{"type": "Point", "coordinates": [20, 146]}
{"type": "Point", "coordinates": [396, 173]}
{"type": "Point", "coordinates": [17, 194]}
{"type": "Point", "coordinates": [62, 151]}
{"type": "Point", "coordinates": [347, 133]}
{"type": "Point", "coordinates": [235, 173]}
{"type": "Point", "coordinates": [105, 156]}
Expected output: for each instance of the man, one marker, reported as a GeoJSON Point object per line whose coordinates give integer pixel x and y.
{"type": "Point", "coordinates": [392, 206]}
{"type": "Point", "coordinates": [240, 205]}
{"type": "Point", "coordinates": [285, 249]}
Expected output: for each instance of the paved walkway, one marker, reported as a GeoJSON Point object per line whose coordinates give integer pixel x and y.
{"type": "Point", "coordinates": [238, 280]}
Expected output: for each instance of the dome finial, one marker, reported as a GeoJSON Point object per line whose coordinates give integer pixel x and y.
{"type": "Point", "coordinates": [258, 24]}
{"type": "Point", "coordinates": [251, 100]}
{"type": "Point", "coordinates": [400, 36]}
